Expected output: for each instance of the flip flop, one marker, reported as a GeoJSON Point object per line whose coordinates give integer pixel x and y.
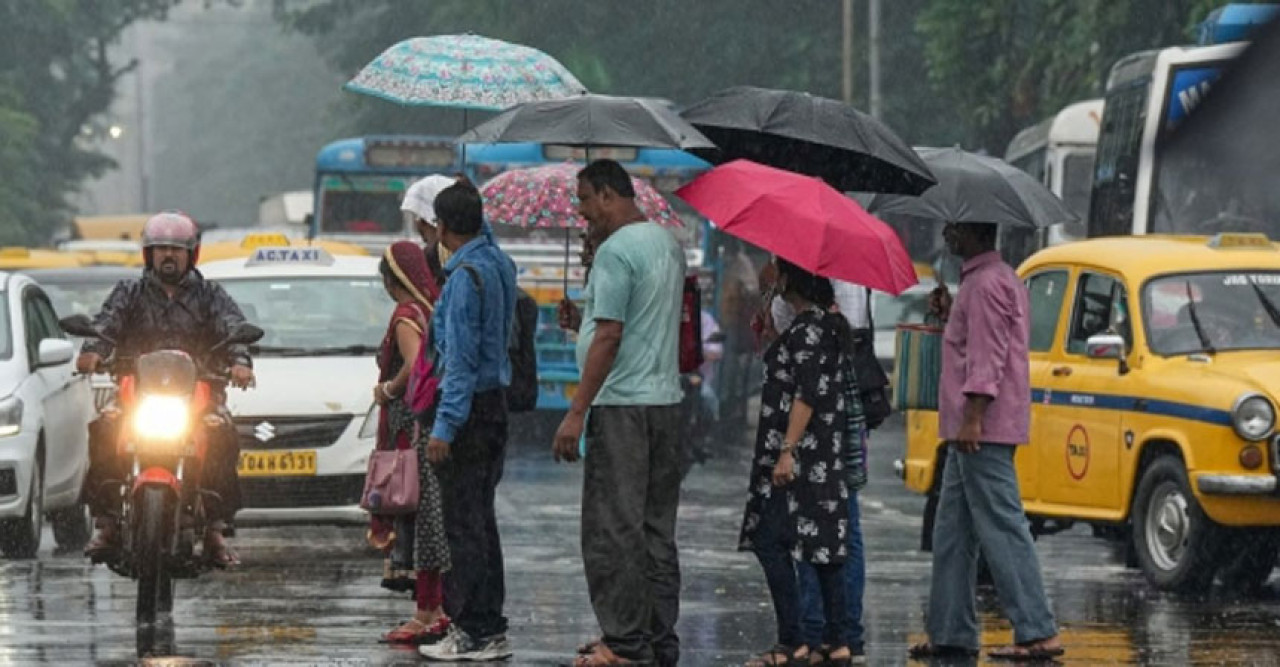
{"type": "Point", "coordinates": [927, 650]}
{"type": "Point", "coordinates": [600, 657]}
{"type": "Point", "coordinates": [1025, 653]}
{"type": "Point", "coordinates": [589, 647]}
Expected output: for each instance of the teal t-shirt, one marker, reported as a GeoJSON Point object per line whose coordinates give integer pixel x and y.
{"type": "Point", "coordinates": [637, 278]}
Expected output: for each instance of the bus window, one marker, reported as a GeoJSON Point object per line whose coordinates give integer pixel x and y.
{"type": "Point", "coordinates": [1034, 164]}
{"type": "Point", "coordinates": [1077, 182]}
{"type": "Point", "coordinates": [361, 212]}
{"type": "Point", "coordinates": [1111, 206]}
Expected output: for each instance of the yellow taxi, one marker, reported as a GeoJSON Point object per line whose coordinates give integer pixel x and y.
{"type": "Point", "coordinates": [22, 259]}
{"type": "Point", "coordinates": [1155, 374]}
{"type": "Point", "coordinates": [244, 248]}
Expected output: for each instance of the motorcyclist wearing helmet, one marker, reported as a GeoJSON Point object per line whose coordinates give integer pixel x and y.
{"type": "Point", "coordinates": [171, 306]}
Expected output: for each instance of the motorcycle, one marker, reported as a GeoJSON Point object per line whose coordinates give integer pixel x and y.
{"type": "Point", "coordinates": [163, 415]}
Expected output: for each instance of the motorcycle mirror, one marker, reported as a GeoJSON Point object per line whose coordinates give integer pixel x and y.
{"type": "Point", "coordinates": [79, 325]}
{"type": "Point", "coordinates": [246, 334]}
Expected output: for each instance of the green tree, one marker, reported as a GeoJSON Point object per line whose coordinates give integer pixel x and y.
{"type": "Point", "coordinates": [55, 77]}
{"type": "Point", "coordinates": [1005, 64]}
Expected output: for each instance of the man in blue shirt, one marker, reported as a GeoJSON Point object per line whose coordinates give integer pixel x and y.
{"type": "Point", "coordinates": [471, 328]}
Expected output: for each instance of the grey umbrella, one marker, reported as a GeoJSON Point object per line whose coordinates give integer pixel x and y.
{"type": "Point", "coordinates": [974, 188]}
{"type": "Point", "coordinates": [591, 120]}
{"type": "Point", "coordinates": [810, 135]}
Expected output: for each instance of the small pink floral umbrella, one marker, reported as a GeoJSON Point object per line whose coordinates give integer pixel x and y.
{"type": "Point", "coordinates": [547, 198]}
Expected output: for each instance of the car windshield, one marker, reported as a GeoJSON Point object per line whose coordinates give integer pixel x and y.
{"type": "Point", "coordinates": [314, 316]}
{"type": "Point", "coordinates": [910, 307]}
{"type": "Point", "coordinates": [1213, 312]}
{"type": "Point", "coordinates": [77, 298]}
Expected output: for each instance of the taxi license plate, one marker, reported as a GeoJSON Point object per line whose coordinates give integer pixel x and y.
{"type": "Point", "coordinates": [277, 464]}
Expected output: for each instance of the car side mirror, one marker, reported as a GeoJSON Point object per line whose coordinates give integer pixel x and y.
{"type": "Point", "coordinates": [54, 352]}
{"type": "Point", "coordinates": [1108, 346]}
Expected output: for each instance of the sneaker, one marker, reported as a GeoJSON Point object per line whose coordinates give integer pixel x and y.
{"type": "Point", "coordinates": [857, 655]}
{"type": "Point", "coordinates": [458, 646]}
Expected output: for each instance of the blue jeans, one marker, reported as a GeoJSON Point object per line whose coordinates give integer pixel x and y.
{"type": "Point", "coordinates": [980, 507]}
{"type": "Point", "coordinates": [855, 580]}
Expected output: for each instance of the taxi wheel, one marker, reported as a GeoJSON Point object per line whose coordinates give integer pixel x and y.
{"type": "Point", "coordinates": [1175, 540]}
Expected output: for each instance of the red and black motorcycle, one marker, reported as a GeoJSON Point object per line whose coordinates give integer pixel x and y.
{"type": "Point", "coordinates": [165, 411]}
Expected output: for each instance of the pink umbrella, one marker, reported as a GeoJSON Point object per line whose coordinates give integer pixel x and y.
{"type": "Point", "coordinates": [547, 197]}
{"type": "Point", "coordinates": [803, 220]}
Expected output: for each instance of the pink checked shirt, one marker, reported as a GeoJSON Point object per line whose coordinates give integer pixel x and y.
{"type": "Point", "coordinates": [984, 352]}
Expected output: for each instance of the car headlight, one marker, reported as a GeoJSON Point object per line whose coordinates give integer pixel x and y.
{"type": "Point", "coordinates": [10, 416]}
{"type": "Point", "coordinates": [160, 417]}
{"type": "Point", "coordinates": [1253, 417]}
{"type": "Point", "coordinates": [369, 429]}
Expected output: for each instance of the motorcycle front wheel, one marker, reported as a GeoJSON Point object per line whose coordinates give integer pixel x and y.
{"type": "Point", "coordinates": [155, 586]}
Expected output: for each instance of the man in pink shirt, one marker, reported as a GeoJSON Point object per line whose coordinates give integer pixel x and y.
{"type": "Point", "coordinates": [984, 413]}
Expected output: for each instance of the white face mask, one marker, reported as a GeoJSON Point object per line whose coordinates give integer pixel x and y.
{"type": "Point", "coordinates": [782, 313]}
{"type": "Point", "coordinates": [444, 253]}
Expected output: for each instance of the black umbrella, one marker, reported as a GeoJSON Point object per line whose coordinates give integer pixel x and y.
{"type": "Point", "coordinates": [811, 135]}
{"type": "Point", "coordinates": [591, 120]}
{"type": "Point", "coordinates": [974, 188]}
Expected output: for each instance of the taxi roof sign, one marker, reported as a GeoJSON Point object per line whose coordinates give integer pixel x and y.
{"type": "Point", "coordinates": [290, 256]}
{"type": "Point", "coordinates": [1225, 240]}
{"type": "Point", "coordinates": [263, 240]}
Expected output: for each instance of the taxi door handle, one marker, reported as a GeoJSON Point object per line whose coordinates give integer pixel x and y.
{"type": "Point", "coordinates": [1062, 371]}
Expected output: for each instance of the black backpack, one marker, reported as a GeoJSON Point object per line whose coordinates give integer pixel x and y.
{"type": "Point", "coordinates": [522, 393]}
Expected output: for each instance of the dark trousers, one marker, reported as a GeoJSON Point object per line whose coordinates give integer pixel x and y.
{"type": "Point", "coordinates": [106, 464]}
{"type": "Point", "coordinates": [773, 541]}
{"type": "Point", "coordinates": [630, 493]}
{"type": "Point", "coordinates": [475, 588]}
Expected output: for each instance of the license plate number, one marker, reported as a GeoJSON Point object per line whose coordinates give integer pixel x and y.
{"type": "Point", "coordinates": [277, 464]}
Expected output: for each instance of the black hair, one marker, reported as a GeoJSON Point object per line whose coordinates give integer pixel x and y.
{"type": "Point", "coordinates": [459, 209]}
{"type": "Point", "coordinates": [384, 267]}
{"type": "Point", "coordinates": [609, 174]}
{"type": "Point", "coordinates": [983, 233]}
{"type": "Point", "coordinates": [818, 291]}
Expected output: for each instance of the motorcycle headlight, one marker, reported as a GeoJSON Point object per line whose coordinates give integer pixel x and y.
{"type": "Point", "coordinates": [10, 416]}
{"type": "Point", "coordinates": [369, 429]}
{"type": "Point", "coordinates": [1253, 417]}
{"type": "Point", "coordinates": [162, 418]}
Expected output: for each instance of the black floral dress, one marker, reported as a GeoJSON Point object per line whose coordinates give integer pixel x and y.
{"type": "Point", "coordinates": [805, 362]}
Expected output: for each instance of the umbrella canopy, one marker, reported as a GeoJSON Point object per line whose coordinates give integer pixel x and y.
{"type": "Point", "coordinates": [547, 197]}
{"type": "Point", "coordinates": [810, 135]}
{"type": "Point", "coordinates": [464, 71]}
{"type": "Point", "coordinates": [802, 220]}
{"type": "Point", "coordinates": [591, 120]}
{"type": "Point", "coordinates": [975, 188]}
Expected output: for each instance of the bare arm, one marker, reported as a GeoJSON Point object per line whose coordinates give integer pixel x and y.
{"type": "Point", "coordinates": [409, 341]}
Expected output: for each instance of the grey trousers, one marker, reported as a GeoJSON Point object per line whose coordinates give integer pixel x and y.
{"type": "Point", "coordinates": [980, 505]}
{"type": "Point", "coordinates": [629, 497]}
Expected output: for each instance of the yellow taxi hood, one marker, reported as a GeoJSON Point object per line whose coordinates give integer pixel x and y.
{"type": "Point", "coordinates": [1221, 380]}
{"type": "Point", "coordinates": [1255, 371]}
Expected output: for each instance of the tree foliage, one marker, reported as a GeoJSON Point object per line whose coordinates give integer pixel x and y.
{"type": "Point", "coordinates": [55, 77]}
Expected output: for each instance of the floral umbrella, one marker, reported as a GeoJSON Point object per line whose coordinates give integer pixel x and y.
{"type": "Point", "coordinates": [547, 197]}
{"type": "Point", "coordinates": [464, 71]}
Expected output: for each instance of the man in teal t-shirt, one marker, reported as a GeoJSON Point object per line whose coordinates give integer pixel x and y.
{"type": "Point", "coordinates": [628, 353]}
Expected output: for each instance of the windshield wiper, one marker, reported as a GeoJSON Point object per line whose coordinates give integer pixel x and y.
{"type": "Point", "coordinates": [348, 350]}
{"type": "Point", "coordinates": [1195, 321]}
{"type": "Point", "coordinates": [1267, 304]}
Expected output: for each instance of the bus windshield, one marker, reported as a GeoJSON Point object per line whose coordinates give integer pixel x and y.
{"type": "Point", "coordinates": [361, 204]}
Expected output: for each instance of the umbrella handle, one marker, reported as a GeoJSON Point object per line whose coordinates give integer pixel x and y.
{"type": "Point", "coordinates": [568, 235]}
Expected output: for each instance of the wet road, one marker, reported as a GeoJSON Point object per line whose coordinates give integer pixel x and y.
{"type": "Point", "coordinates": [311, 596]}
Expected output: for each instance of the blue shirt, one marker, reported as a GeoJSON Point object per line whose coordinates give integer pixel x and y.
{"type": "Point", "coordinates": [472, 324]}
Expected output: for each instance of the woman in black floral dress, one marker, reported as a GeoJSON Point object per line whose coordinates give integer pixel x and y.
{"type": "Point", "coordinates": [798, 502]}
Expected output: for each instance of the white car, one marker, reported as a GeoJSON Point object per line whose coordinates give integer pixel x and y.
{"type": "Point", "coordinates": [308, 427]}
{"type": "Point", "coordinates": [45, 411]}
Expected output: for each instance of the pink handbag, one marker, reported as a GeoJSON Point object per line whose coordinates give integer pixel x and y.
{"type": "Point", "coordinates": [391, 485]}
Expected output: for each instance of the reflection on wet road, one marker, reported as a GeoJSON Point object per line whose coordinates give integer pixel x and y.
{"type": "Point", "coordinates": [311, 596]}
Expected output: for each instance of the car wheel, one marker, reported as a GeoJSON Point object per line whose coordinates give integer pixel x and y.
{"type": "Point", "coordinates": [1176, 542]}
{"type": "Point", "coordinates": [1252, 558]}
{"type": "Point", "coordinates": [20, 538]}
{"type": "Point", "coordinates": [72, 527]}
